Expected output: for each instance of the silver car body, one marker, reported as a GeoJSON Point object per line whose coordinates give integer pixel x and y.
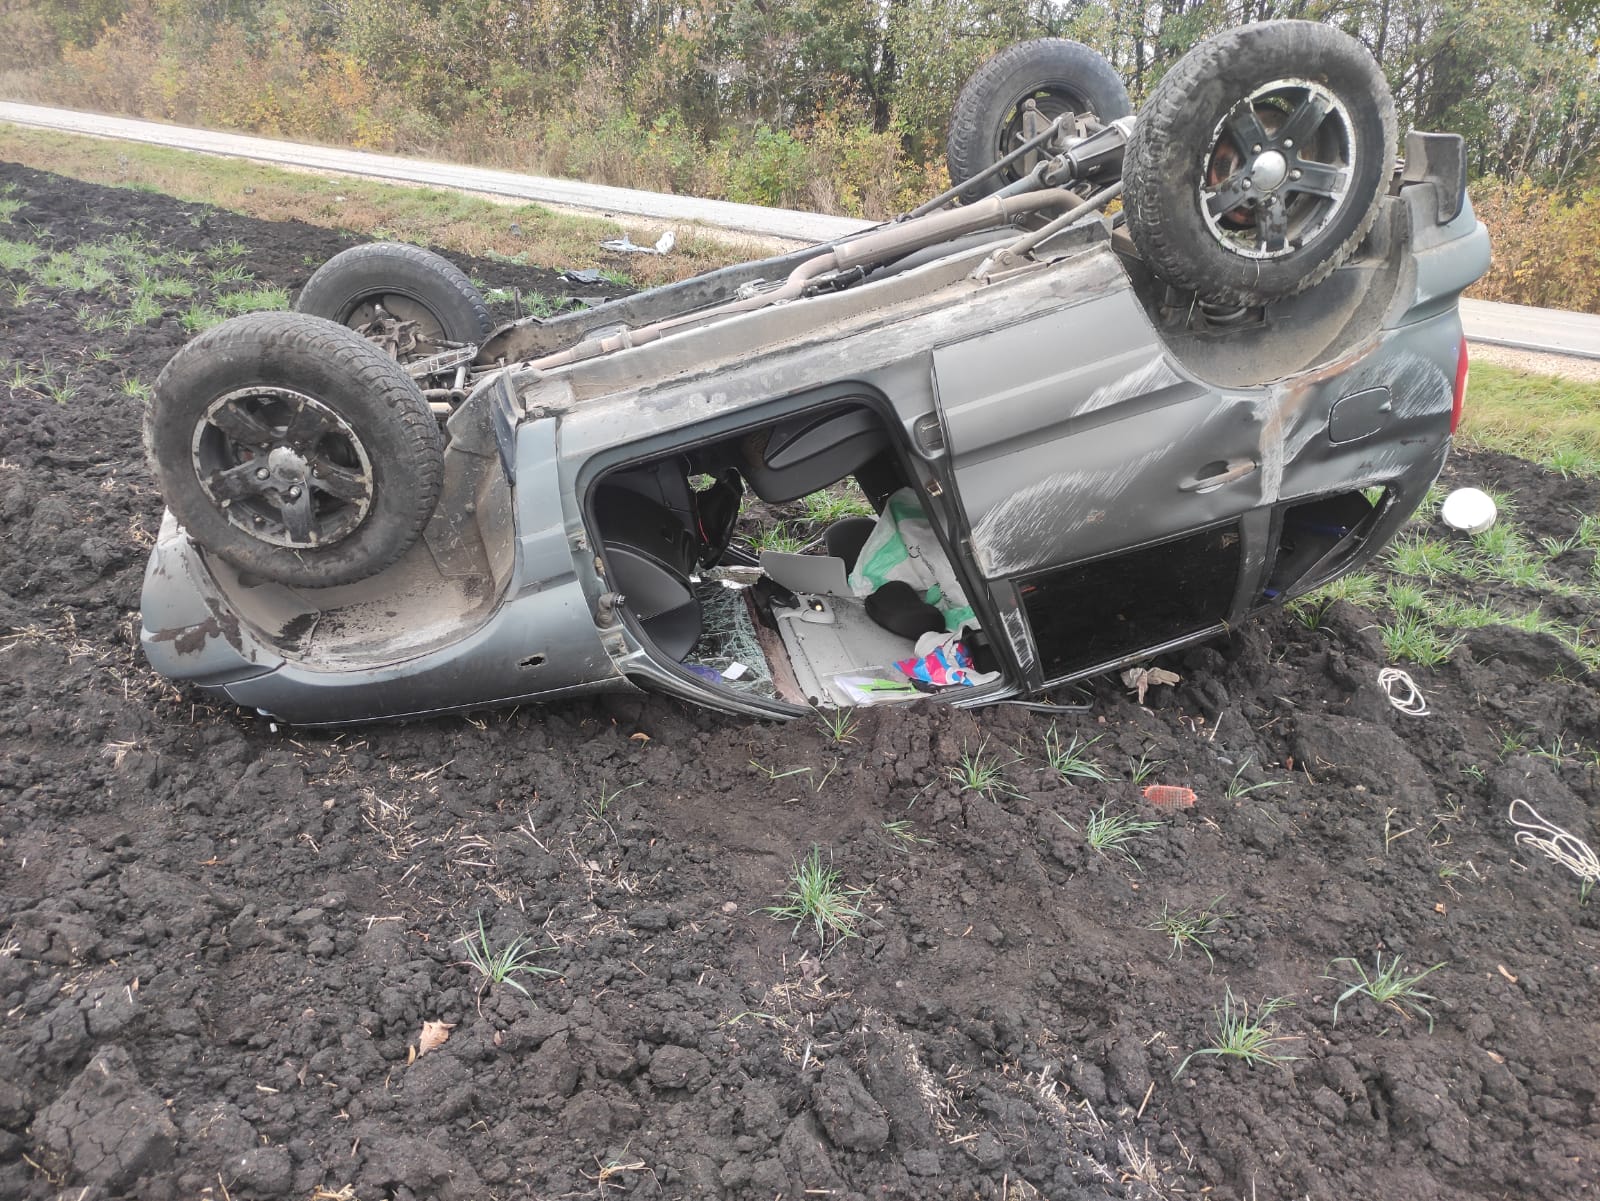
{"type": "Point", "coordinates": [1066, 449]}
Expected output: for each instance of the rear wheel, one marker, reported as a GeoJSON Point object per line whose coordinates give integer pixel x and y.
{"type": "Point", "coordinates": [1018, 93]}
{"type": "Point", "coordinates": [294, 449]}
{"type": "Point", "coordinates": [1258, 163]}
{"type": "Point", "coordinates": [410, 301]}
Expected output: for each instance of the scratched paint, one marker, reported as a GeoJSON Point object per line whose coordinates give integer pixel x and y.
{"type": "Point", "coordinates": [1151, 377]}
{"type": "Point", "coordinates": [1034, 526]}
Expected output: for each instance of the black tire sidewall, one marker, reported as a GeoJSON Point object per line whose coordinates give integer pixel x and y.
{"type": "Point", "coordinates": [995, 89]}
{"type": "Point", "coordinates": [1168, 150]}
{"type": "Point", "coordinates": [334, 365]}
{"type": "Point", "coordinates": [344, 282]}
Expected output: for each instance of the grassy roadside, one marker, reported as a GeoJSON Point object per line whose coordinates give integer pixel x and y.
{"type": "Point", "coordinates": [1431, 587]}
{"type": "Point", "coordinates": [1554, 422]}
{"type": "Point", "coordinates": [525, 233]}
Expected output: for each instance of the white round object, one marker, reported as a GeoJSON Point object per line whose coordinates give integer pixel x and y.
{"type": "Point", "coordinates": [1469, 510]}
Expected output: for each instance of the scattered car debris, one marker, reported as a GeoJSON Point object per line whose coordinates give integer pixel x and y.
{"type": "Point", "coordinates": [1402, 692]}
{"type": "Point", "coordinates": [626, 245]}
{"type": "Point", "coordinates": [1469, 510]}
{"type": "Point", "coordinates": [1554, 843]}
{"type": "Point", "coordinates": [1170, 796]}
{"type": "Point", "coordinates": [1139, 679]}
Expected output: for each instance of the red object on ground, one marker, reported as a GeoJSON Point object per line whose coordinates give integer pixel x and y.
{"type": "Point", "coordinates": [1169, 796]}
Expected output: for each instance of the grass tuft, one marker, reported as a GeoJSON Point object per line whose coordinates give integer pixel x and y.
{"type": "Point", "coordinates": [501, 965]}
{"type": "Point", "coordinates": [1072, 761]}
{"type": "Point", "coordinates": [1107, 833]}
{"type": "Point", "coordinates": [816, 894]}
{"type": "Point", "coordinates": [1190, 927]}
{"type": "Point", "coordinates": [1241, 1036]}
{"type": "Point", "coordinates": [981, 772]}
{"type": "Point", "coordinates": [1387, 986]}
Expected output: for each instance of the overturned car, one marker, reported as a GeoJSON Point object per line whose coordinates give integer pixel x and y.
{"type": "Point", "coordinates": [1082, 439]}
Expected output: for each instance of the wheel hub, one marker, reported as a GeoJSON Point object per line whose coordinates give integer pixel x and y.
{"type": "Point", "coordinates": [286, 466]}
{"type": "Point", "coordinates": [1269, 171]}
{"type": "Point", "coordinates": [283, 466]}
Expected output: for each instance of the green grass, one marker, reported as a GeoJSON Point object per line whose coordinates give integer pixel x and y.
{"type": "Point", "coordinates": [1241, 1036]}
{"type": "Point", "coordinates": [1389, 986]}
{"type": "Point", "coordinates": [448, 220]}
{"type": "Point", "coordinates": [1238, 788]}
{"type": "Point", "coordinates": [1549, 420]}
{"type": "Point", "coordinates": [17, 256]}
{"type": "Point", "coordinates": [500, 965]}
{"type": "Point", "coordinates": [253, 300]}
{"type": "Point", "coordinates": [817, 894]}
{"type": "Point", "coordinates": [980, 772]}
{"type": "Point", "coordinates": [1109, 833]}
{"type": "Point", "coordinates": [1413, 638]}
{"type": "Point", "coordinates": [1143, 768]}
{"type": "Point", "coordinates": [1411, 555]}
{"type": "Point", "coordinates": [824, 508]}
{"type": "Point", "coordinates": [778, 538]}
{"type": "Point", "coordinates": [1190, 927]}
{"type": "Point", "coordinates": [838, 724]}
{"type": "Point", "coordinates": [1072, 761]}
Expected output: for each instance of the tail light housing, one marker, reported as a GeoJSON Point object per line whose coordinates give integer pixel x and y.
{"type": "Point", "coordinates": [1461, 385]}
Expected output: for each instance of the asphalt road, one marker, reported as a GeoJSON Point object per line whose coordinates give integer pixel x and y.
{"type": "Point", "coordinates": [1549, 330]}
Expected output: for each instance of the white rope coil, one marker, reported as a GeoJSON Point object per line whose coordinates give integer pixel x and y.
{"type": "Point", "coordinates": [1402, 692]}
{"type": "Point", "coordinates": [1554, 843]}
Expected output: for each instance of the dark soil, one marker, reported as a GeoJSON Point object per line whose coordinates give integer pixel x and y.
{"type": "Point", "coordinates": [220, 941]}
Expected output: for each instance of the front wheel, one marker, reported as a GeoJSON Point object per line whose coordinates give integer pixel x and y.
{"type": "Point", "coordinates": [1258, 163]}
{"type": "Point", "coordinates": [294, 449]}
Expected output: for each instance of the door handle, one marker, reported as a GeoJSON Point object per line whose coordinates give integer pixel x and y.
{"type": "Point", "coordinates": [1218, 474]}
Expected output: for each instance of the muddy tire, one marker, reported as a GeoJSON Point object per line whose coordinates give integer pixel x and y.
{"type": "Point", "coordinates": [1259, 162]}
{"type": "Point", "coordinates": [987, 123]}
{"type": "Point", "coordinates": [406, 282]}
{"type": "Point", "coordinates": [294, 449]}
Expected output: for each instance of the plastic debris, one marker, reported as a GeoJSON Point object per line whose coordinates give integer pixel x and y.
{"type": "Point", "coordinates": [1170, 796]}
{"type": "Point", "coordinates": [626, 245]}
{"type": "Point", "coordinates": [1140, 678]}
{"type": "Point", "coordinates": [1469, 510]}
{"type": "Point", "coordinates": [942, 659]}
{"type": "Point", "coordinates": [1402, 692]}
{"type": "Point", "coordinates": [583, 275]}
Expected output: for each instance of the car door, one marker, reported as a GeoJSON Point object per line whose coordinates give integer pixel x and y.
{"type": "Point", "coordinates": [1101, 480]}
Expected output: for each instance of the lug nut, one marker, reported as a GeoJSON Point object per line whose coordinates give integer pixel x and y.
{"type": "Point", "coordinates": [1288, 143]}
{"type": "Point", "coordinates": [294, 493]}
{"type": "Point", "coordinates": [1294, 175]}
{"type": "Point", "coordinates": [261, 473]}
{"type": "Point", "coordinates": [1256, 149]}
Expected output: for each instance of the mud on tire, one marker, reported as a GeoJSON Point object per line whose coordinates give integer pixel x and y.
{"type": "Point", "coordinates": [1259, 161]}
{"type": "Point", "coordinates": [407, 282]}
{"type": "Point", "coordinates": [294, 449]}
{"type": "Point", "coordinates": [1059, 75]}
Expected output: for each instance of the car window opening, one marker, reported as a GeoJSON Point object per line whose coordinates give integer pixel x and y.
{"type": "Point", "coordinates": [794, 563]}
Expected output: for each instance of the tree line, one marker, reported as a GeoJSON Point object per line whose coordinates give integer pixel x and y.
{"type": "Point", "coordinates": [839, 105]}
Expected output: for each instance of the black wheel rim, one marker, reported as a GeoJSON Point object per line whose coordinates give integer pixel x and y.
{"type": "Point", "coordinates": [283, 467]}
{"type": "Point", "coordinates": [1277, 173]}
